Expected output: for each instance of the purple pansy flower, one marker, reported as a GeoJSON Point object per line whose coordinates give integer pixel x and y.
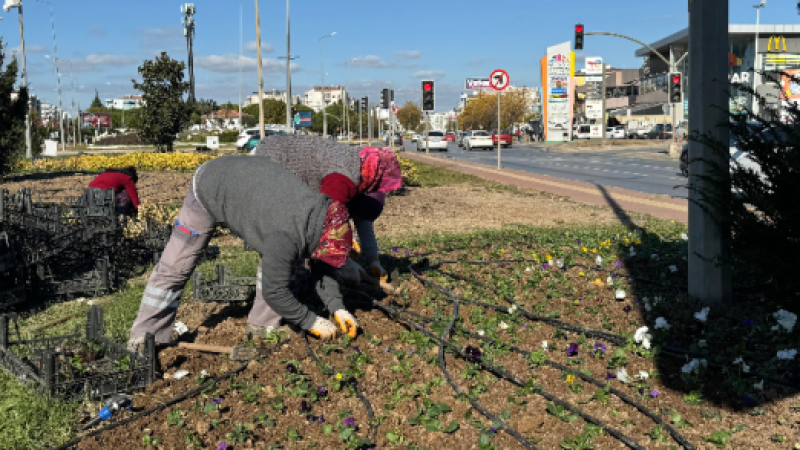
{"type": "Point", "coordinates": [614, 277]}
{"type": "Point", "coordinates": [356, 349]}
{"type": "Point", "coordinates": [654, 393]}
{"type": "Point", "coordinates": [411, 351]}
{"type": "Point", "coordinates": [747, 323]}
{"type": "Point", "coordinates": [748, 401]}
{"type": "Point", "coordinates": [473, 352]}
{"type": "Point", "coordinates": [349, 422]}
{"type": "Point", "coordinates": [422, 324]}
{"type": "Point", "coordinates": [501, 266]}
{"type": "Point", "coordinates": [408, 252]}
{"type": "Point", "coordinates": [610, 376]}
{"type": "Point", "coordinates": [580, 299]}
{"type": "Point", "coordinates": [618, 264]}
{"type": "Point", "coordinates": [578, 241]}
{"type": "Point", "coordinates": [216, 401]}
{"type": "Point", "coordinates": [572, 350]}
{"type": "Point", "coordinates": [305, 407]}
{"type": "Point", "coordinates": [641, 391]}
{"type": "Point", "coordinates": [222, 446]}
{"type": "Point", "coordinates": [394, 249]}
{"type": "Point", "coordinates": [488, 245]}
{"type": "Point", "coordinates": [291, 368]}
{"type": "Point", "coordinates": [600, 347]}
{"type": "Point", "coordinates": [493, 430]}
{"type": "Point", "coordinates": [321, 419]}
{"type": "Point", "coordinates": [322, 391]}
{"type": "Point", "coordinates": [544, 266]}
{"type": "Point", "coordinates": [627, 309]}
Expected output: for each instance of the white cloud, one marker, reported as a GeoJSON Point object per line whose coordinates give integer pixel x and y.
{"type": "Point", "coordinates": [230, 64]}
{"type": "Point", "coordinates": [28, 49]}
{"type": "Point", "coordinates": [435, 74]}
{"type": "Point", "coordinates": [409, 54]}
{"type": "Point", "coordinates": [93, 62]}
{"type": "Point", "coordinates": [265, 47]}
{"type": "Point", "coordinates": [368, 61]}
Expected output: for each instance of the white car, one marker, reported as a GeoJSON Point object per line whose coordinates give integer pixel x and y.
{"type": "Point", "coordinates": [617, 132]}
{"type": "Point", "coordinates": [478, 139]}
{"type": "Point", "coordinates": [582, 132]}
{"type": "Point", "coordinates": [245, 136]}
{"type": "Point", "coordinates": [434, 141]}
{"type": "Point", "coordinates": [414, 137]}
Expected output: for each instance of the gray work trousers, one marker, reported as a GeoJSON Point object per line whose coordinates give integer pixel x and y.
{"type": "Point", "coordinates": [193, 230]}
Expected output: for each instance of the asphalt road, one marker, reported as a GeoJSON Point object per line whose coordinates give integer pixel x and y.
{"type": "Point", "coordinates": [636, 174]}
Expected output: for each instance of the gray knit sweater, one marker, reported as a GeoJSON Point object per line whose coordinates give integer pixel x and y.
{"type": "Point", "coordinates": [312, 158]}
{"type": "Point", "coordinates": [277, 214]}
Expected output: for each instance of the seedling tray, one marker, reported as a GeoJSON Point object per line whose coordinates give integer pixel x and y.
{"type": "Point", "coordinates": [79, 365]}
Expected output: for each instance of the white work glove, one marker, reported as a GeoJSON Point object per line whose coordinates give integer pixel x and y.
{"type": "Point", "coordinates": [378, 271]}
{"type": "Point", "coordinates": [323, 329]}
{"type": "Point", "coordinates": [346, 322]}
{"type": "Point", "coordinates": [351, 273]}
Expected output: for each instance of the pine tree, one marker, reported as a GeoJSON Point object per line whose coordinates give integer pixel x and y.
{"type": "Point", "coordinates": [12, 116]}
{"type": "Point", "coordinates": [96, 103]}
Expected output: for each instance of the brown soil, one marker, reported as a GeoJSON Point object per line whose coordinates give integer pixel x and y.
{"type": "Point", "coordinates": [465, 208]}
{"type": "Point", "coordinates": [156, 187]}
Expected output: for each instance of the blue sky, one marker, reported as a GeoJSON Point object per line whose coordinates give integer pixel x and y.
{"type": "Point", "coordinates": [396, 43]}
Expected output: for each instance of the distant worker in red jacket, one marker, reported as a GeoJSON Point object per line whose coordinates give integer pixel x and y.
{"type": "Point", "coordinates": [123, 181]}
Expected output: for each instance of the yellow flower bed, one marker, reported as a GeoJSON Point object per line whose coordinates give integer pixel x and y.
{"type": "Point", "coordinates": [142, 161]}
{"type": "Point", "coordinates": [409, 172]}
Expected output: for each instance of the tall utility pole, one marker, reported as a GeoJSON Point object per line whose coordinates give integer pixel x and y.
{"type": "Point", "coordinates": [241, 48]}
{"type": "Point", "coordinates": [260, 77]}
{"type": "Point", "coordinates": [28, 149]}
{"type": "Point", "coordinates": [322, 74]}
{"type": "Point", "coordinates": [709, 277]}
{"type": "Point", "coordinates": [58, 76]}
{"type": "Point", "coordinates": [289, 120]}
{"type": "Point", "coordinates": [188, 30]}
{"type": "Point", "coordinates": [756, 68]}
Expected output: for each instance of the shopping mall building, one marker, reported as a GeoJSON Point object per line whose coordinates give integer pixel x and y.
{"type": "Point", "coordinates": [777, 49]}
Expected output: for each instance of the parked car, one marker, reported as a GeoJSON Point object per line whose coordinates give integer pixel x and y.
{"type": "Point", "coordinates": [505, 138]}
{"type": "Point", "coordinates": [582, 132]}
{"type": "Point", "coordinates": [618, 132]}
{"type": "Point", "coordinates": [436, 140]}
{"type": "Point", "coordinates": [414, 137]}
{"type": "Point", "coordinates": [244, 137]}
{"type": "Point", "coordinates": [478, 139]}
{"type": "Point", "coordinates": [461, 137]}
{"type": "Point", "coordinates": [251, 144]}
{"type": "Point", "coordinates": [660, 131]}
{"type": "Point", "coordinates": [450, 136]}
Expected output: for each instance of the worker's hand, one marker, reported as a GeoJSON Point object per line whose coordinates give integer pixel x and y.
{"type": "Point", "coordinates": [346, 322]}
{"type": "Point", "coordinates": [355, 250]}
{"type": "Point", "coordinates": [378, 271]}
{"type": "Point", "coordinates": [351, 273]}
{"type": "Point", "coordinates": [323, 329]}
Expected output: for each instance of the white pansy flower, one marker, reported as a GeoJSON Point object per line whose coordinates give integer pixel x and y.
{"type": "Point", "coordinates": [609, 280]}
{"type": "Point", "coordinates": [661, 323]}
{"type": "Point", "coordinates": [647, 307]}
{"type": "Point", "coordinates": [775, 328]}
{"type": "Point", "coordinates": [180, 374]}
{"type": "Point", "coordinates": [180, 328]}
{"type": "Point", "coordinates": [759, 385]}
{"type": "Point", "coordinates": [622, 375]}
{"type": "Point", "coordinates": [620, 294]}
{"type": "Point", "coordinates": [684, 236]}
{"type": "Point", "coordinates": [787, 354]}
{"type": "Point", "coordinates": [560, 263]}
{"type": "Point", "coordinates": [643, 337]}
{"type": "Point", "coordinates": [599, 260]}
{"type": "Point", "coordinates": [694, 365]}
{"type": "Point", "coordinates": [702, 316]}
{"type": "Point", "coordinates": [528, 269]}
{"type": "Point", "coordinates": [512, 309]}
{"type": "Point", "coordinates": [544, 345]}
{"type": "Point", "coordinates": [786, 319]}
{"type": "Point", "coordinates": [550, 262]}
{"type": "Point", "coordinates": [643, 375]}
{"type": "Point", "coordinates": [673, 268]}
{"type": "Point", "coordinates": [745, 368]}
{"type": "Point", "coordinates": [480, 333]}
{"type": "Point", "coordinates": [503, 326]}
{"type": "Point", "coordinates": [656, 300]}
{"type": "Point", "coordinates": [203, 373]}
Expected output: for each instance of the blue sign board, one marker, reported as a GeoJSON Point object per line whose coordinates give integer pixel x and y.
{"type": "Point", "coordinates": [303, 118]}
{"type": "Point", "coordinates": [686, 108]}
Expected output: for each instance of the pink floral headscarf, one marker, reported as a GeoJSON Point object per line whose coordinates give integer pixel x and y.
{"type": "Point", "coordinates": [380, 171]}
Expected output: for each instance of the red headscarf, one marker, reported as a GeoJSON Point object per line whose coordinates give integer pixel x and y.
{"type": "Point", "coordinates": [337, 237]}
{"type": "Point", "coordinates": [380, 171]}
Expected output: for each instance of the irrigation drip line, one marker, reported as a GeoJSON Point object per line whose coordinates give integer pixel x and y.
{"type": "Point", "coordinates": [177, 399]}
{"type": "Point", "coordinates": [359, 392]}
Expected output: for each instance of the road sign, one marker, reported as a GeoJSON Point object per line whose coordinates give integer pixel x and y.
{"type": "Point", "coordinates": [594, 66]}
{"type": "Point", "coordinates": [395, 109]}
{"type": "Point", "coordinates": [297, 119]}
{"type": "Point", "coordinates": [499, 80]}
{"type": "Point", "coordinates": [475, 84]}
{"type": "Point", "coordinates": [594, 109]}
{"type": "Point", "coordinates": [104, 120]}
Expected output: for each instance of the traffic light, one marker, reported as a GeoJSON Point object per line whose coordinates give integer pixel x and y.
{"type": "Point", "coordinates": [428, 96]}
{"type": "Point", "coordinates": [385, 99]}
{"type": "Point", "coordinates": [364, 104]}
{"type": "Point", "coordinates": [579, 36]}
{"type": "Point", "coordinates": [358, 107]}
{"type": "Point", "coordinates": [675, 87]}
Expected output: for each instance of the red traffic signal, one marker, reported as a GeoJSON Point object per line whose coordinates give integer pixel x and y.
{"type": "Point", "coordinates": [579, 28]}
{"type": "Point", "coordinates": [427, 87]}
{"type": "Point", "coordinates": [676, 79]}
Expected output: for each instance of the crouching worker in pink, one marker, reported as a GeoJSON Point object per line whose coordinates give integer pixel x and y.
{"type": "Point", "coordinates": [279, 216]}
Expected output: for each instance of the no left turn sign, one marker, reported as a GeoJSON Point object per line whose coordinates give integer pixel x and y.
{"type": "Point", "coordinates": [499, 80]}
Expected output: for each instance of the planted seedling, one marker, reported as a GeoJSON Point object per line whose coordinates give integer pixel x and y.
{"type": "Point", "coordinates": [175, 418]}
{"type": "Point", "coordinates": [239, 433]}
{"type": "Point", "coordinates": [428, 416]}
{"type": "Point", "coordinates": [264, 420]}
{"type": "Point", "coordinates": [561, 413]}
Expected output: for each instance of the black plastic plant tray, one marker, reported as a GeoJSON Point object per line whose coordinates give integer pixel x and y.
{"type": "Point", "coordinates": [224, 287]}
{"type": "Point", "coordinates": [50, 363]}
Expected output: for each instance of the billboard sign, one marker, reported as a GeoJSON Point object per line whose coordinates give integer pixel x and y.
{"type": "Point", "coordinates": [594, 66]}
{"type": "Point", "coordinates": [558, 92]}
{"type": "Point", "coordinates": [474, 84]}
{"type": "Point", "coordinates": [594, 109]}
{"type": "Point", "coordinates": [96, 120]}
{"type": "Point", "coordinates": [304, 118]}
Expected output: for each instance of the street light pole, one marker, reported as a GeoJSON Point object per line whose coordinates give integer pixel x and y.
{"type": "Point", "coordinates": [322, 74]}
{"type": "Point", "coordinates": [756, 75]}
{"type": "Point", "coordinates": [28, 149]}
{"type": "Point", "coordinates": [288, 73]}
{"type": "Point", "coordinates": [60, 106]}
{"type": "Point", "coordinates": [260, 77]}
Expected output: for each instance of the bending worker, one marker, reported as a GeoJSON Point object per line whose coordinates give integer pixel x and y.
{"type": "Point", "coordinates": [274, 212]}
{"type": "Point", "coordinates": [358, 178]}
{"type": "Point", "coordinates": [123, 181]}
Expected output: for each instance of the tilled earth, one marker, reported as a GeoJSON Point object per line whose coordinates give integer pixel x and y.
{"type": "Point", "coordinates": [401, 373]}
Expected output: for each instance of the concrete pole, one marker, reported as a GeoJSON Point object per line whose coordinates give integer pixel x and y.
{"type": "Point", "coordinates": [709, 280]}
{"type": "Point", "coordinates": [241, 47]}
{"type": "Point", "coordinates": [756, 78]}
{"type": "Point", "coordinates": [260, 77]}
{"type": "Point", "coordinates": [28, 149]}
{"type": "Point", "coordinates": [289, 121]}
{"type": "Point", "coordinates": [603, 123]}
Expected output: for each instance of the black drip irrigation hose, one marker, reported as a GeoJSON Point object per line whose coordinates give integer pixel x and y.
{"type": "Point", "coordinates": [177, 399]}
{"type": "Point", "coordinates": [359, 393]}
{"type": "Point", "coordinates": [624, 397]}
{"type": "Point", "coordinates": [608, 337]}
{"type": "Point", "coordinates": [393, 312]}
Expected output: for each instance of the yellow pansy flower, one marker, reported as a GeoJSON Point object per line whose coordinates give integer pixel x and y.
{"type": "Point", "coordinates": [502, 251]}
{"type": "Point", "coordinates": [581, 273]}
{"type": "Point", "coordinates": [338, 376]}
{"type": "Point", "coordinates": [585, 249]}
{"type": "Point", "coordinates": [594, 250]}
{"type": "Point", "coordinates": [570, 378]}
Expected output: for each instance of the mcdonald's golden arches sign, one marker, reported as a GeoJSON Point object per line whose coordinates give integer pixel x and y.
{"type": "Point", "coordinates": [777, 40]}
